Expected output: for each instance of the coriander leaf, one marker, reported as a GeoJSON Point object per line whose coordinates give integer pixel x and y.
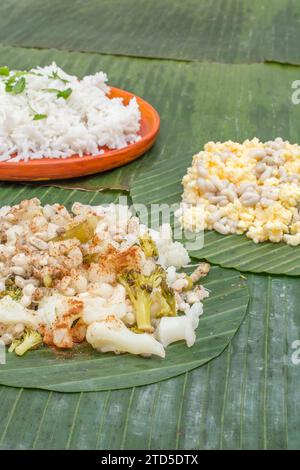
{"type": "Point", "coordinates": [9, 84]}
{"type": "Point", "coordinates": [8, 87]}
{"type": "Point", "coordinates": [55, 76]}
{"type": "Point", "coordinates": [18, 87]}
{"type": "Point", "coordinates": [64, 93]}
{"type": "Point", "coordinates": [37, 74]}
{"type": "Point", "coordinates": [38, 117]}
{"type": "Point", "coordinates": [51, 90]}
{"type": "Point", "coordinates": [31, 108]}
{"type": "Point", "coordinates": [11, 81]}
{"type": "Point", "coordinates": [60, 93]}
{"type": "Point", "coordinates": [20, 73]}
{"type": "Point", "coordinates": [4, 71]}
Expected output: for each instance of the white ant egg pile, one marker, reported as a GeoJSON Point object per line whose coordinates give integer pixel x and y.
{"type": "Point", "coordinates": [250, 188]}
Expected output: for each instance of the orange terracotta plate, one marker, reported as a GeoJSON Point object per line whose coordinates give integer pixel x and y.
{"type": "Point", "coordinates": [75, 166]}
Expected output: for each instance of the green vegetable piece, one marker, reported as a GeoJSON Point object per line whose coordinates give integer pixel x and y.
{"type": "Point", "coordinates": [14, 344]}
{"type": "Point", "coordinates": [9, 86]}
{"type": "Point", "coordinates": [12, 290]}
{"type": "Point", "coordinates": [55, 76]}
{"type": "Point", "coordinates": [139, 294]}
{"type": "Point", "coordinates": [15, 87]}
{"type": "Point", "coordinates": [39, 117]}
{"type": "Point", "coordinates": [64, 93]}
{"type": "Point", "coordinates": [30, 340]}
{"type": "Point", "coordinates": [148, 245]}
{"type": "Point", "coordinates": [15, 294]}
{"type": "Point", "coordinates": [60, 93]}
{"type": "Point", "coordinates": [20, 73]}
{"type": "Point", "coordinates": [168, 301]}
{"type": "Point", "coordinates": [83, 231]}
{"type": "Point", "coordinates": [51, 90]}
{"type": "Point", "coordinates": [4, 71]}
{"type": "Point", "coordinates": [139, 289]}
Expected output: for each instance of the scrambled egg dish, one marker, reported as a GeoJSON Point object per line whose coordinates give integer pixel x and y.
{"type": "Point", "coordinates": [250, 188]}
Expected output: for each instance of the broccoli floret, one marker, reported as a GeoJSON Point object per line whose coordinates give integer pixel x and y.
{"type": "Point", "coordinates": [84, 231]}
{"type": "Point", "coordinates": [15, 294]}
{"type": "Point", "coordinates": [30, 340]}
{"type": "Point", "coordinates": [143, 291]}
{"type": "Point", "coordinates": [157, 277]}
{"type": "Point", "coordinates": [14, 344]}
{"type": "Point", "coordinates": [148, 245]}
{"type": "Point", "coordinates": [139, 289]}
{"type": "Point", "coordinates": [168, 301]}
{"type": "Point", "coordinates": [163, 294]}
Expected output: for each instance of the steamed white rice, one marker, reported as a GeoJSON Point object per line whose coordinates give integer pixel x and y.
{"type": "Point", "coordinates": [80, 124]}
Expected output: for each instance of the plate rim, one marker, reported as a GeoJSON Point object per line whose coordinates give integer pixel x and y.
{"type": "Point", "coordinates": [131, 151]}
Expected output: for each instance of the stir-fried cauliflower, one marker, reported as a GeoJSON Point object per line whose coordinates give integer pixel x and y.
{"type": "Point", "coordinates": [94, 274]}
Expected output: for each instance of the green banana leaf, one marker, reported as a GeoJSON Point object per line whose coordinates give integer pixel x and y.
{"type": "Point", "coordinates": [241, 253]}
{"type": "Point", "coordinates": [215, 31]}
{"type": "Point", "coordinates": [84, 369]}
{"type": "Point", "coordinates": [247, 398]}
{"type": "Point", "coordinates": [11, 193]}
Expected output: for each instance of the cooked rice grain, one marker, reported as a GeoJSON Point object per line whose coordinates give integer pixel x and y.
{"type": "Point", "coordinates": [80, 124]}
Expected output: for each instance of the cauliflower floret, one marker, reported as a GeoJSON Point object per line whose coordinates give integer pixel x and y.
{"type": "Point", "coordinates": [50, 308]}
{"type": "Point", "coordinates": [97, 308]}
{"type": "Point", "coordinates": [101, 289]}
{"type": "Point", "coordinates": [12, 312]}
{"type": "Point", "coordinates": [54, 307]}
{"type": "Point", "coordinates": [119, 294]}
{"type": "Point", "coordinates": [115, 220]}
{"type": "Point", "coordinates": [170, 253]}
{"type": "Point", "coordinates": [112, 335]}
{"type": "Point", "coordinates": [172, 329]}
{"type": "Point", "coordinates": [57, 314]}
